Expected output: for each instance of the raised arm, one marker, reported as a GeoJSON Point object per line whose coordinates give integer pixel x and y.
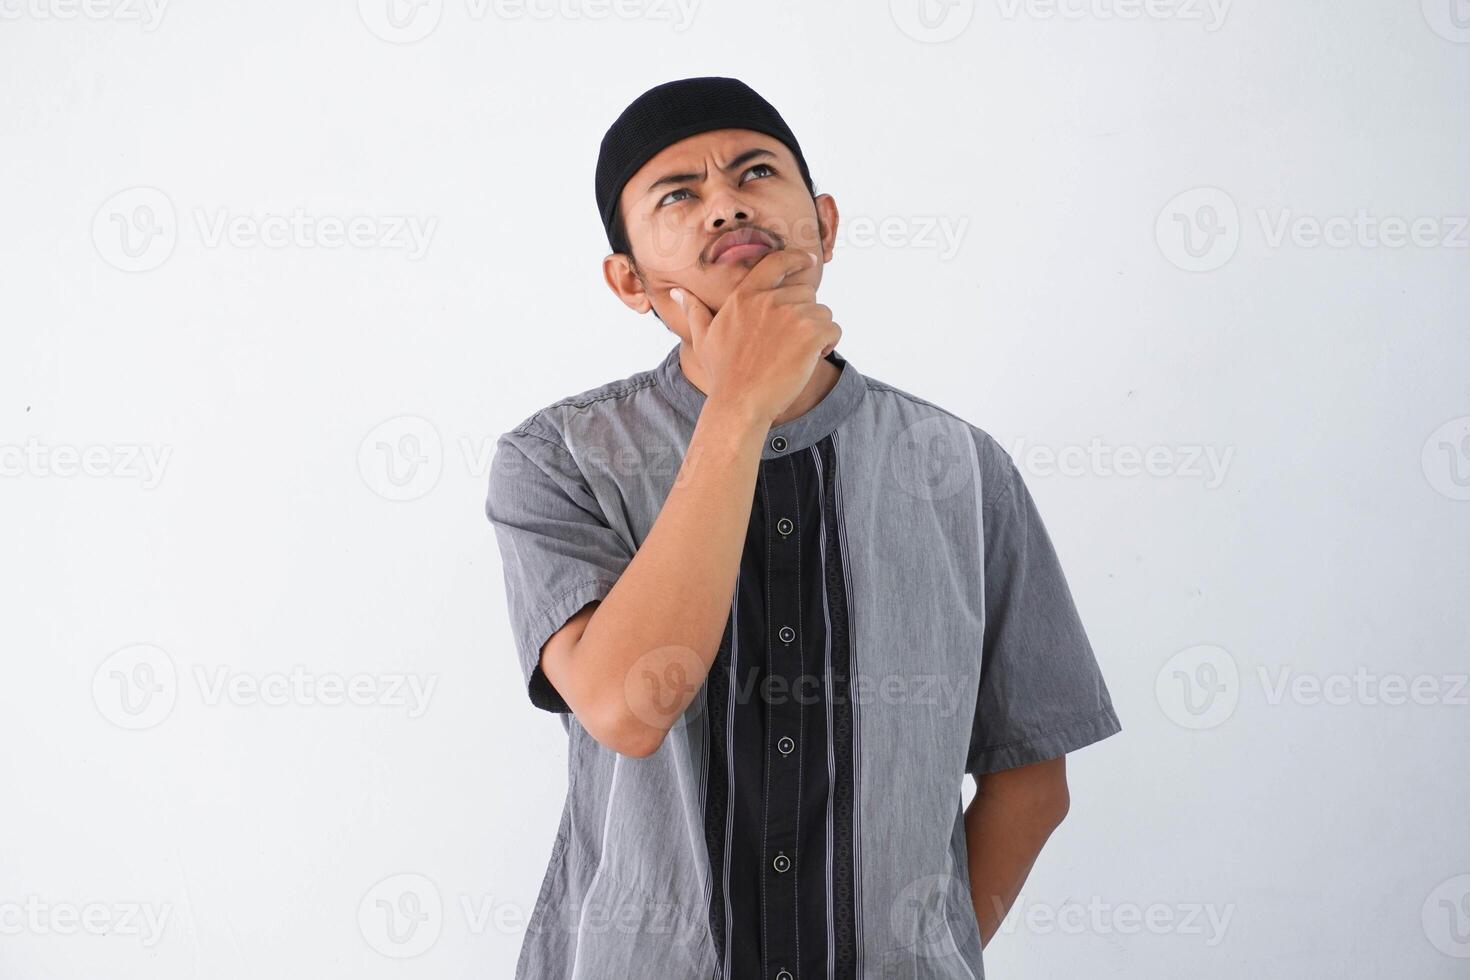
{"type": "Point", "coordinates": [629, 665]}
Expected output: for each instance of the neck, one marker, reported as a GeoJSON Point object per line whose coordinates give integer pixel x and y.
{"type": "Point", "coordinates": [824, 379]}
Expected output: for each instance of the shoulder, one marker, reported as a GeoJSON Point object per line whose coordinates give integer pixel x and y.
{"type": "Point", "coordinates": [910, 411]}
{"type": "Point", "coordinates": [549, 423]}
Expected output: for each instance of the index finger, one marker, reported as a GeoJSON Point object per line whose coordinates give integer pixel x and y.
{"type": "Point", "coordinates": [774, 267]}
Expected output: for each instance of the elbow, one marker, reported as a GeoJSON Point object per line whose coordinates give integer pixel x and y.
{"type": "Point", "coordinates": [626, 735]}
{"type": "Point", "coordinates": [1053, 806]}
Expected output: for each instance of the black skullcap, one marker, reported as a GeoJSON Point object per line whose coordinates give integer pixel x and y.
{"type": "Point", "coordinates": [673, 111]}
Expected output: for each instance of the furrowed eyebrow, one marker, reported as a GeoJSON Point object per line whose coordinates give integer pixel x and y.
{"type": "Point", "coordinates": [734, 164]}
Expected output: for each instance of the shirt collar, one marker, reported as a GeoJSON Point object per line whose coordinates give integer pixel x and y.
{"type": "Point", "coordinates": [805, 430]}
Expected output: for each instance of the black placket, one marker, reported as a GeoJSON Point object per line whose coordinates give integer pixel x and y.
{"type": "Point", "coordinates": [784, 693]}
{"type": "Point", "coordinates": [772, 733]}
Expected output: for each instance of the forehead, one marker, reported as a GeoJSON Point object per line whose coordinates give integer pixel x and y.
{"type": "Point", "coordinates": [688, 154]}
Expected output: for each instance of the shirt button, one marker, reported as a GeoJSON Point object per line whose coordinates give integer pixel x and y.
{"type": "Point", "coordinates": [784, 527]}
{"type": "Point", "coordinates": [778, 443]}
{"type": "Point", "coordinates": [786, 745]}
{"type": "Point", "coordinates": [781, 861]}
{"type": "Point", "coordinates": [784, 975]}
{"type": "Point", "coordinates": [787, 634]}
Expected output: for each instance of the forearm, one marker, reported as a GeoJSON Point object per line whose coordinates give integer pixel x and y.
{"type": "Point", "coordinates": [650, 643]}
{"type": "Point", "coordinates": [1006, 829]}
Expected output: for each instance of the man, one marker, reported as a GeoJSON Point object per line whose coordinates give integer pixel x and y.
{"type": "Point", "coordinates": [781, 607]}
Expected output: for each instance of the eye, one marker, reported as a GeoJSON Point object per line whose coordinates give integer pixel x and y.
{"type": "Point", "coordinates": [665, 199]}
{"type": "Point", "coordinates": [761, 166]}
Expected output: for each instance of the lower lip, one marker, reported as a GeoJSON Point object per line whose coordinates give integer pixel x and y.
{"type": "Point", "coordinates": [737, 252]}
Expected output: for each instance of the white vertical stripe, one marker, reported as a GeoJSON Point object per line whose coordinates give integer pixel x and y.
{"type": "Point", "coordinates": [601, 860]}
{"type": "Point", "coordinates": [730, 759]}
{"type": "Point", "coordinates": [831, 760]}
{"type": "Point", "coordinates": [852, 652]}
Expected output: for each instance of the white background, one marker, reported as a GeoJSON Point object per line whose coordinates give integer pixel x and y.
{"type": "Point", "coordinates": [1236, 828]}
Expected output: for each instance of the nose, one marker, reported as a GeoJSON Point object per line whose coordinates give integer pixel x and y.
{"type": "Point", "coordinates": [725, 208]}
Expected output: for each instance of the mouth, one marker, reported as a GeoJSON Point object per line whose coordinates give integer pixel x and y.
{"type": "Point", "coordinates": [742, 243]}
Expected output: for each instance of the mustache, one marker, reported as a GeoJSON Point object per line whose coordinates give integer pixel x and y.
{"type": "Point", "coordinates": [704, 259]}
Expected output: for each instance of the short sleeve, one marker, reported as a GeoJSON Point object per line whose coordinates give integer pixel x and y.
{"type": "Point", "coordinates": [1042, 694]}
{"type": "Point", "coordinates": [557, 551]}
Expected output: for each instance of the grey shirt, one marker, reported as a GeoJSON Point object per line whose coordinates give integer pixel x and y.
{"type": "Point", "coordinates": [899, 619]}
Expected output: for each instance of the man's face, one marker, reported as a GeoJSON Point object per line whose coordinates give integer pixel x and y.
{"type": "Point", "coordinates": [683, 201]}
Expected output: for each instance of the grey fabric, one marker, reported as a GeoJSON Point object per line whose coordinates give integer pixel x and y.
{"type": "Point", "coordinates": [968, 657]}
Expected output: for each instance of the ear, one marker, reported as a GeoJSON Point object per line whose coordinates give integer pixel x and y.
{"type": "Point", "coordinates": [617, 271]}
{"type": "Point", "coordinates": [827, 223]}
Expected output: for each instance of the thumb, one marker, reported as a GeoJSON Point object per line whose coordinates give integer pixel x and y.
{"type": "Point", "coordinates": [696, 314]}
